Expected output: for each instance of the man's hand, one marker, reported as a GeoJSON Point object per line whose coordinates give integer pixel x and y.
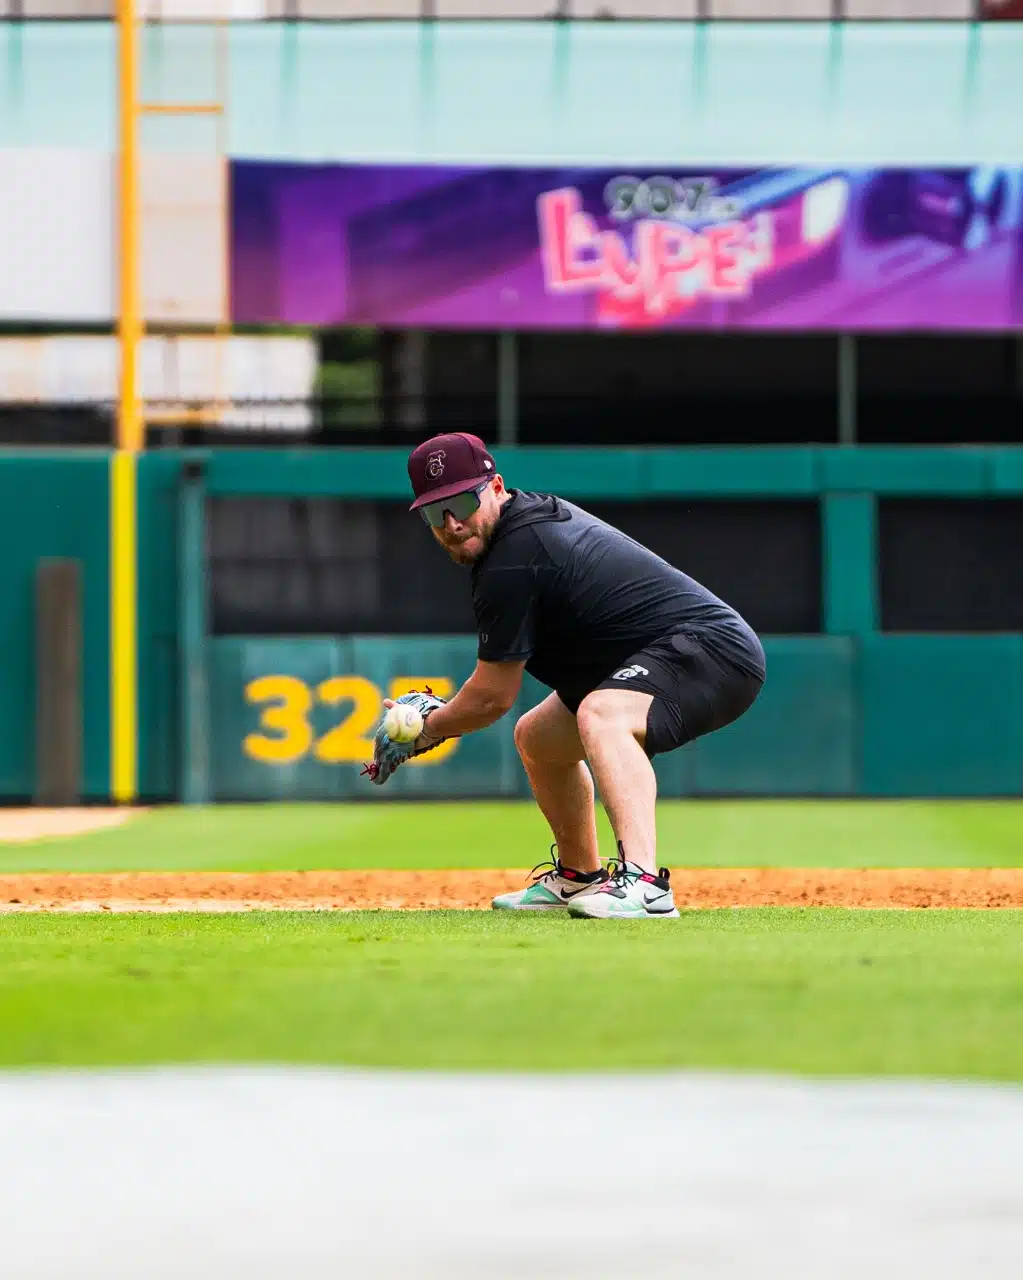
{"type": "Point", "coordinates": [388, 755]}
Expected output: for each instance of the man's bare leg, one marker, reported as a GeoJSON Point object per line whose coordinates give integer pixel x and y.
{"type": "Point", "coordinates": [612, 727]}
{"type": "Point", "coordinates": [548, 742]}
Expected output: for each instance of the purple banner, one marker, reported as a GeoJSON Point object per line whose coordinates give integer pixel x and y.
{"type": "Point", "coordinates": [414, 247]}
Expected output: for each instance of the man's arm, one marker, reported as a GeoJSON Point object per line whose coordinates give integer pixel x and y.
{"type": "Point", "coordinates": [485, 697]}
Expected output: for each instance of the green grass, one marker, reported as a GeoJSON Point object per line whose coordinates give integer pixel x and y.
{"type": "Point", "coordinates": [797, 833]}
{"type": "Point", "coordinates": [910, 993]}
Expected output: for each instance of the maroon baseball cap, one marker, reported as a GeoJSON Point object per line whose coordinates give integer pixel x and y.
{"type": "Point", "coordinates": [445, 465]}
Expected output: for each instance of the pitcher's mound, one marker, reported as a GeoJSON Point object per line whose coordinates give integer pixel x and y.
{"type": "Point", "coordinates": [22, 826]}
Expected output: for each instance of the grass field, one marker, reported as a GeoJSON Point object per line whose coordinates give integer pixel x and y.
{"type": "Point", "coordinates": [781, 833]}
{"type": "Point", "coordinates": [936, 993]}
{"type": "Point", "coordinates": [835, 992]}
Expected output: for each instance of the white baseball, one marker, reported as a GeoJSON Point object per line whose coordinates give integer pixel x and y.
{"type": "Point", "coordinates": [403, 723]}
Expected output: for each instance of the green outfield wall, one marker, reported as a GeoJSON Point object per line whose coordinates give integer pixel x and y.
{"type": "Point", "coordinates": [882, 716]}
{"type": "Point", "coordinates": [848, 710]}
{"type": "Point", "coordinates": [53, 505]}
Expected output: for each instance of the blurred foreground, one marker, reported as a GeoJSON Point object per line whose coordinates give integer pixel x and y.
{"type": "Point", "coordinates": [280, 1173]}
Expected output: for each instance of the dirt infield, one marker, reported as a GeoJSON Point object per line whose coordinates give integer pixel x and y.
{"type": "Point", "coordinates": [431, 890]}
{"type": "Point", "coordinates": [22, 826]}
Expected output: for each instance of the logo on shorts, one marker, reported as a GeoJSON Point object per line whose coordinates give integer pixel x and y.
{"type": "Point", "coordinates": [435, 464]}
{"type": "Point", "coordinates": [627, 673]}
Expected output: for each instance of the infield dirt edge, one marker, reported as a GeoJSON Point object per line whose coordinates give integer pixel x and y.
{"type": "Point", "coordinates": [226, 891]}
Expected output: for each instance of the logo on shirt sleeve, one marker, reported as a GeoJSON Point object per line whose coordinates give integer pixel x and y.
{"type": "Point", "coordinates": [627, 673]}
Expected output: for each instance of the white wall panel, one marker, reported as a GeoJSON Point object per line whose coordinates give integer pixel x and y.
{"type": "Point", "coordinates": [56, 236]}
{"type": "Point", "coordinates": [58, 261]}
{"type": "Point", "coordinates": [184, 238]}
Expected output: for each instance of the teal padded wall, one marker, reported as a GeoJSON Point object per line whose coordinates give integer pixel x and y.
{"type": "Point", "coordinates": [942, 715]}
{"type": "Point", "coordinates": [885, 716]}
{"type": "Point", "coordinates": [327, 694]}
{"type": "Point", "coordinates": [158, 476]}
{"type": "Point", "coordinates": [234, 664]}
{"type": "Point", "coordinates": [771, 471]}
{"type": "Point", "coordinates": [800, 736]}
{"type": "Point", "coordinates": [850, 588]}
{"type": "Point", "coordinates": [850, 712]}
{"type": "Point", "coordinates": [53, 504]}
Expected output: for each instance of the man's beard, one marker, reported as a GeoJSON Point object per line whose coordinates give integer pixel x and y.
{"type": "Point", "coordinates": [480, 542]}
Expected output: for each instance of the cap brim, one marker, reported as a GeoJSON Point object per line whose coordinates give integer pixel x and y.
{"type": "Point", "coordinates": [448, 491]}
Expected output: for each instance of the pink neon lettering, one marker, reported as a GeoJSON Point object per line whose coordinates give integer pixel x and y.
{"type": "Point", "coordinates": [567, 235]}
{"type": "Point", "coordinates": [668, 268]}
{"type": "Point", "coordinates": [620, 274]}
{"type": "Point", "coordinates": [677, 266]}
{"type": "Point", "coordinates": [728, 276]}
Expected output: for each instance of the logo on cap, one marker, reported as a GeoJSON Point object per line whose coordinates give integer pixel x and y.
{"type": "Point", "coordinates": [435, 464]}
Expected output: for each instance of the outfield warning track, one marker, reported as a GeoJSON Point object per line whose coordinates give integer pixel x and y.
{"type": "Point", "coordinates": [225, 891]}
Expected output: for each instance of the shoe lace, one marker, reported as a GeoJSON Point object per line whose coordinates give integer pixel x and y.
{"type": "Point", "coordinates": [544, 869]}
{"type": "Point", "coordinates": [620, 872]}
{"type": "Point", "coordinates": [618, 869]}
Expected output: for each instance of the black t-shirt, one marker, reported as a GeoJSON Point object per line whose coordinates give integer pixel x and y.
{"type": "Point", "coordinates": [574, 597]}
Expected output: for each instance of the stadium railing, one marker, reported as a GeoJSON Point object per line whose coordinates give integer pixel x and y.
{"type": "Point", "coordinates": [801, 416]}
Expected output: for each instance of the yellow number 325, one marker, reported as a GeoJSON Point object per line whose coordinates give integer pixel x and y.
{"type": "Point", "coordinates": [348, 742]}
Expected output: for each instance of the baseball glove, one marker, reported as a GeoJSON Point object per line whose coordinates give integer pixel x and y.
{"type": "Point", "coordinates": [388, 755]}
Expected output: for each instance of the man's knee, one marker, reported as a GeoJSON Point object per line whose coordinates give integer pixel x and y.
{"type": "Point", "coordinates": [524, 733]}
{"type": "Point", "coordinates": [598, 712]}
{"type": "Point", "coordinates": [607, 711]}
{"type": "Point", "coordinates": [548, 733]}
{"type": "Point", "coordinates": [532, 734]}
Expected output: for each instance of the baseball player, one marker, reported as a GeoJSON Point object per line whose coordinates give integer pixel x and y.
{"type": "Point", "coordinates": [641, 660]}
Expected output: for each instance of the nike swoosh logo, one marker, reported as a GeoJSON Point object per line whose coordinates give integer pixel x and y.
{"type": "Point", "coordinates": [648, 901]}
{"type": "Point", "coordinates": [572, 893]}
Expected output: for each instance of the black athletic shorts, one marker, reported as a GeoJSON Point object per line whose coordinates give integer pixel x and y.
{"type": "Point", "coordinates": [695, 690]}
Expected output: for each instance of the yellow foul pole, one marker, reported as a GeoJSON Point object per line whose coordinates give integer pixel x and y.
{"type": "Point", "coordinates": [123, 504]}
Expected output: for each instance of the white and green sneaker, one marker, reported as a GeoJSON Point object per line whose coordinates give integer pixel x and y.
{"type": "Point", "coordinates": [629, 893]}
{"type": "Point", "coordinates": [552, 890]}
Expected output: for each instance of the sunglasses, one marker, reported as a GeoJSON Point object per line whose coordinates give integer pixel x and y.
{"type": "Point", "coordinates": [461, 506]}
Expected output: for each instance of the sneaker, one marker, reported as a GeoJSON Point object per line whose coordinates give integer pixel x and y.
{"type": "Point", "coordinates": [553, 889]}
{"type": "Point", "coordinates": [629, 893]}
